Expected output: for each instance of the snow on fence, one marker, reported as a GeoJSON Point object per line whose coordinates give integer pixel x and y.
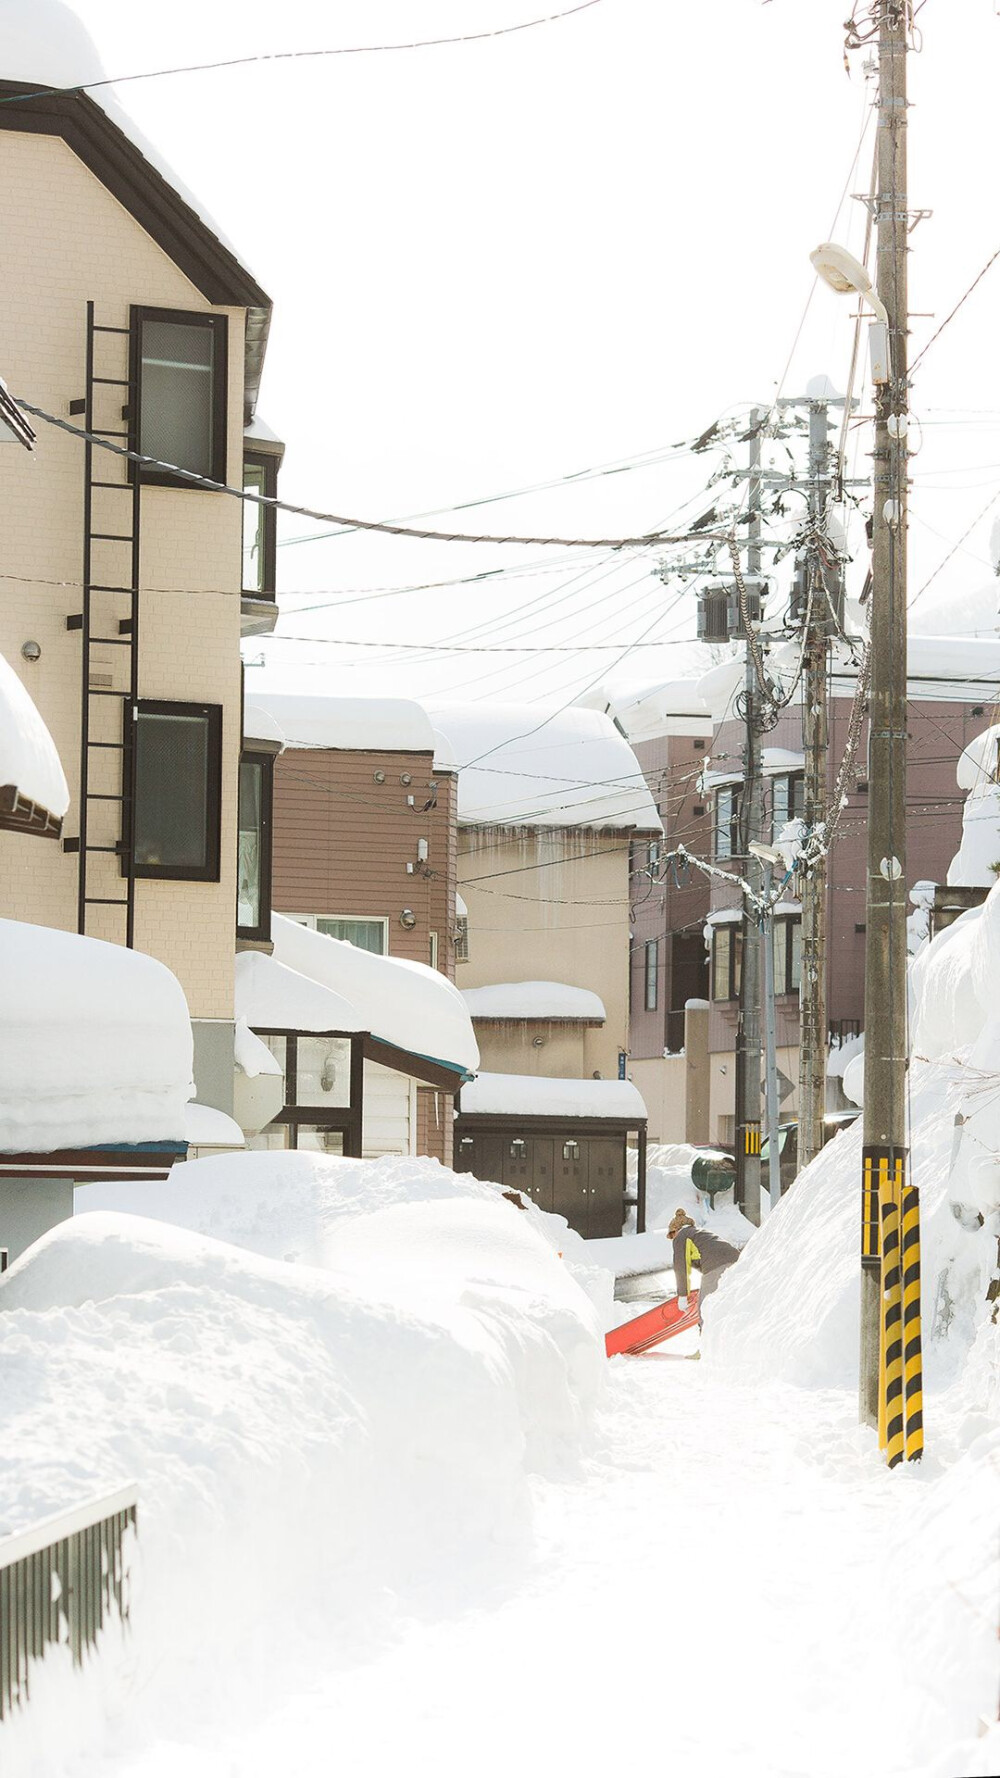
{"type": "Point", "coordinates": [58, 1582]}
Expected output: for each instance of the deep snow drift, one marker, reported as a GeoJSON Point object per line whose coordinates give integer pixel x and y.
{"type": "Point", "coordinates": [332, 1416]}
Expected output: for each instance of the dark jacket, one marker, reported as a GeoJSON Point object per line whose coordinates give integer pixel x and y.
{"type": "Point", "coordinates": [699, 1248]}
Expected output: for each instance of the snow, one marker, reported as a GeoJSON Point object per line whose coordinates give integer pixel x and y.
{"type": "Point", "coordinates": [271, 997]}
{"type": "Point", "coordinates": [780, 759]}
{"type": "Point", "coordinates": [250, 1052]}
{"type": "Point", "coordinates": [529, 1095]}
{"type": "Point", "coordinates": [977, 763]}
{"type": "Point", "coordinates": [648, 710]}
{"type": "Point", "coordinates": [358, 725]}
{"type": "Point", "coordinates": [45, 43]}
{"type": "Point", "coordinates": [206, 1127]}
{"type": "Point", "coordinates": [524, 766]}
{"type": "Point", "coordinates": [95, 1043]}
{"type": "Point", "coordinates": [28, 757]}
{"type": "Point", "coordinates": [533, 1000]}
{"type": "Point", "coordinates": [260, 725]}
{"type": "Point", "coordinates": [408, 1004]}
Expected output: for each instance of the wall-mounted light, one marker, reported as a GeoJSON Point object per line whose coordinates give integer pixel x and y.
{"type": "Point", "coordinates": [408, 919]}
{"type": "Point", "coordinates": [31, 651]}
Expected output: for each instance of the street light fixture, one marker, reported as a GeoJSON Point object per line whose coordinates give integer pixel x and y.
{"type": "Point", "coordinates": [844, 273]}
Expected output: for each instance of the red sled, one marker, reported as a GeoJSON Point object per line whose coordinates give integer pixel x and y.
{"type": "Point", "coordinates": [657, 1324]}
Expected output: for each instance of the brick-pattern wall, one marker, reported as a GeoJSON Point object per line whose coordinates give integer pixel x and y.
{"type": "Point", "coordinates": [66, 240]}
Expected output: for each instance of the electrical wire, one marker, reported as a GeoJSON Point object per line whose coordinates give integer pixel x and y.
{"type": "Point", "coordinates": [304, 55]}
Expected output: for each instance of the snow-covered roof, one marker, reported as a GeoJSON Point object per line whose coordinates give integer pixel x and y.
{"type": "Point", "coordinates": [260, 725]}
{"type": "Point", "coordinates": [95, 1043]}
{"type": "Point", "coordinates": [724, 917]}
{"type": "Point", "coordinates": [648, 710]}
{"type": "Point", "coordinates": [316, 983]}
{"type": "Point", "coordinates": [251, 1054]}
{"type": "Point", "coordinates": [207, 1127]}
{"type": "Point", "coordinates": [531, 1095]}
{"type": "Point", "coordinates": [522, 766]}
{"type": "Point", "coordinates": [258, 432]}
{"type": "Point", "coordinates": [358, 725]}
{"type": "Point", "coordinates": [28, 758]}
{"type": "Point", "coordinates": [534, 1000]}
{"type": "Point", "coordinates": [977, 763]}
{"type": "Point", "coordinates": [781, 759]}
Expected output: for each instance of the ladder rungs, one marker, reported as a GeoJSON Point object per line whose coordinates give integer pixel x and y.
{"type": "Point", "coordinates": [98, 328]}
{"type": "Point", "coordinates": [114, 382]}
{"type": "Point", "coordinates": [120, 487]}
{"type": "Point", "coordinates": [104, 796]}
{"type": "Point", "coordinates": [94, 693]}
{"type": "Point", "coordinates": [112, 851]}
{"type": "Point", "coordinates": [113, 641]}
{"type": "Point", "coordinates": [111, 536]}
{"type": "Point", "coordinates": [115, 746]}
{"type": "Point", "coordinates": [101, 901]}
{"type": "Point", "coordinates": [96, 587]}
{"type": "Point", "coordinates": [105, 432]}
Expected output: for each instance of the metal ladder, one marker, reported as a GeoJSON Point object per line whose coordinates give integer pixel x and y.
{"type": "Point", "coordinates": [108, 709]}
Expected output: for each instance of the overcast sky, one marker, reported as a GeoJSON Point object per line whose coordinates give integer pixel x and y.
{"type": "Point", "coordinates": [497, 263]}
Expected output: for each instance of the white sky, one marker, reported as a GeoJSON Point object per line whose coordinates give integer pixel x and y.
{"type": "Point", "coordinates": [501, 262]}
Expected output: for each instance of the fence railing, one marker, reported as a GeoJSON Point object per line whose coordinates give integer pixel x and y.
{"type": "Point", "coordinates": [59, 1581]}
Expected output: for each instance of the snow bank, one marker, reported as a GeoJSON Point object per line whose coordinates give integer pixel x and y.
{"type": "Point", "coordinates": [322, 1447]}
{"type": "Point", "coordinates": [28, 758]}
{"type": "Point", "coordinates": [523, 766]}
{"type": "Point", "coordinates": [533, 1000]}
{"type": "Point", "coordinates": [95, 1043]}
{"type": "Point", "coordinates": [369, 725]}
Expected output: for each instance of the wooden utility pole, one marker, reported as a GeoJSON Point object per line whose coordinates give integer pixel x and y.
{"type": "Point", "coordinates": [748, 1030]}
{"type": "Point", "coordinates": [815, 734]}
{"type": "Point", "coordinates": [885, 952]}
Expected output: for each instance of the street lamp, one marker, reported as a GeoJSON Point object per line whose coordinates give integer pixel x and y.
{"type": "Point", "coordinates": [771, 859]}
{"type": "Point", "coordinates": [844, 273]}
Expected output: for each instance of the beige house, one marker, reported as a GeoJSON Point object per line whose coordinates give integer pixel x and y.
{"type": "Point", "coordinates": [127, 316]}
{"type": "Point", "coordinates": [548, 804]}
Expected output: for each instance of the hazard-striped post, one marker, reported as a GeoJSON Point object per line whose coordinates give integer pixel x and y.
{"type": "Point", "coordinates": [913, 1364]}
{"type": "Point", "coordinates": [751, 1139]}
{"type": "Point", "coordinates": [890, 1353]}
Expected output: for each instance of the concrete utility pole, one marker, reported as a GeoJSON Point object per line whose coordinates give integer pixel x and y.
{"type": "Point", "coordinates": [815, 737]}
{"type": "Point", "coordinates": [885, 951]}
{"type": "Point", "coordinates": [748, 1032]}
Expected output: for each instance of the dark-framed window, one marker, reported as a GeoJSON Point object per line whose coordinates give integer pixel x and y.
{"type": "Point", "coordinates": [787, 940]}
{"type": "Point", "coordinates": [253, 855]}
{"type": "Point", "coordinates": [324, 1091]}
{"type": "Point", "coordinates": [180, 381]}
{"type": "Point", "coordinates": [787, 800]}
{"type": "Point", "coordinates": [260, 525]}
{"type": "Point", "coordinates": [727, 960]}
{"type": "Point", "coordinates": [652, 950]}
{"type": "Point", "coordinates": [178, 790]}
{"type": "Point", "coordinates": [726, 826]}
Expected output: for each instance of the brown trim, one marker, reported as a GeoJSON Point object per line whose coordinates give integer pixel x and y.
{"type": "Point", "coordinates": [148, 197]}
{"type": "Point", "coordinates": [535, 1018]}
{"type": "Point", "coordinates": [18, 814]}
{"type": "Point", "coordinates": [42, 1171]}
{"type": "Point", "coordinates": [218, 327]}
{"type": "Point", "coordinates": [473, 1122]}
{"type": "Point", "coordinates": [434, 1074]}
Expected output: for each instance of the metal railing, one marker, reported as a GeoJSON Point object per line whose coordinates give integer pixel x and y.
{"type": "Point", "coordinates": [59, 1581]}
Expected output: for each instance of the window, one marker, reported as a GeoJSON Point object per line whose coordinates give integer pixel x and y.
{"type": "Point", "coordinates": [253, 860]}
{"type": "Point", "coordinates": [787, 800]}
{"type": "Point", "coordinates": [462, 938]}
{"type": "Point", "coordinates": [178, 779]}
{"type": "Point", "coordinates": [787, 941]}
{"type": "Point", "coordinates": [366, 935]}
{"type": "Point", "coordinates": [727, 815]}
{"type": "Point", "coordinates": [432, 949]}
{"type": "Point", "coordinates": [179, 364]}
{"type": "Point", "coordinates": [260, 526]}
{"type": "Point", "coordinates": [727, 957]}
{"type": "Point", "coordinates": [652, 974]}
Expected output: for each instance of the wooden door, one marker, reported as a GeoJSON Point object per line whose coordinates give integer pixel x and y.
{"type": "Point", "coordinates": [570, 1195]}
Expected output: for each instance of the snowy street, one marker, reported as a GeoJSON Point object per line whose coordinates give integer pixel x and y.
{"type": "Point", "coordinates": [652, 1628]}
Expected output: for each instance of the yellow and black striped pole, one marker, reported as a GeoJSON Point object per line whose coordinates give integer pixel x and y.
{"type": "Point", "coordinates": [751, 1139]}
{"type": "Point", "coordinates": [913, 1366]}
{"type": "Point", "coordinates": [890, 1356]}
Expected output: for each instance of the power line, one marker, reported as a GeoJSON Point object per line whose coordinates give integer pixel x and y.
{"type": "Point", "coordinates": [652, 540]}
{"type": "Point", "coordinates": [305, 55]}
{"type": "Point", "coordinates": [962, 299]}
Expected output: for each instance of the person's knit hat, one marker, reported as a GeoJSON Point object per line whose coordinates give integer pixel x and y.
{"type": "Point", "coordinates": [677, 1222]}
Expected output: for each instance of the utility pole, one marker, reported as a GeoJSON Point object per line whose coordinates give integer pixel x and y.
{"type": "Point", "coordinates": [884, 1174]}
{"type": "Point", "coordinates": [815, 737]}
{"type": "Point", "coordinates": [748, 1041]}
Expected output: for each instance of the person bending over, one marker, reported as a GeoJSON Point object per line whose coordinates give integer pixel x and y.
{"type": "Point", "coordinates": [697, 1248]}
